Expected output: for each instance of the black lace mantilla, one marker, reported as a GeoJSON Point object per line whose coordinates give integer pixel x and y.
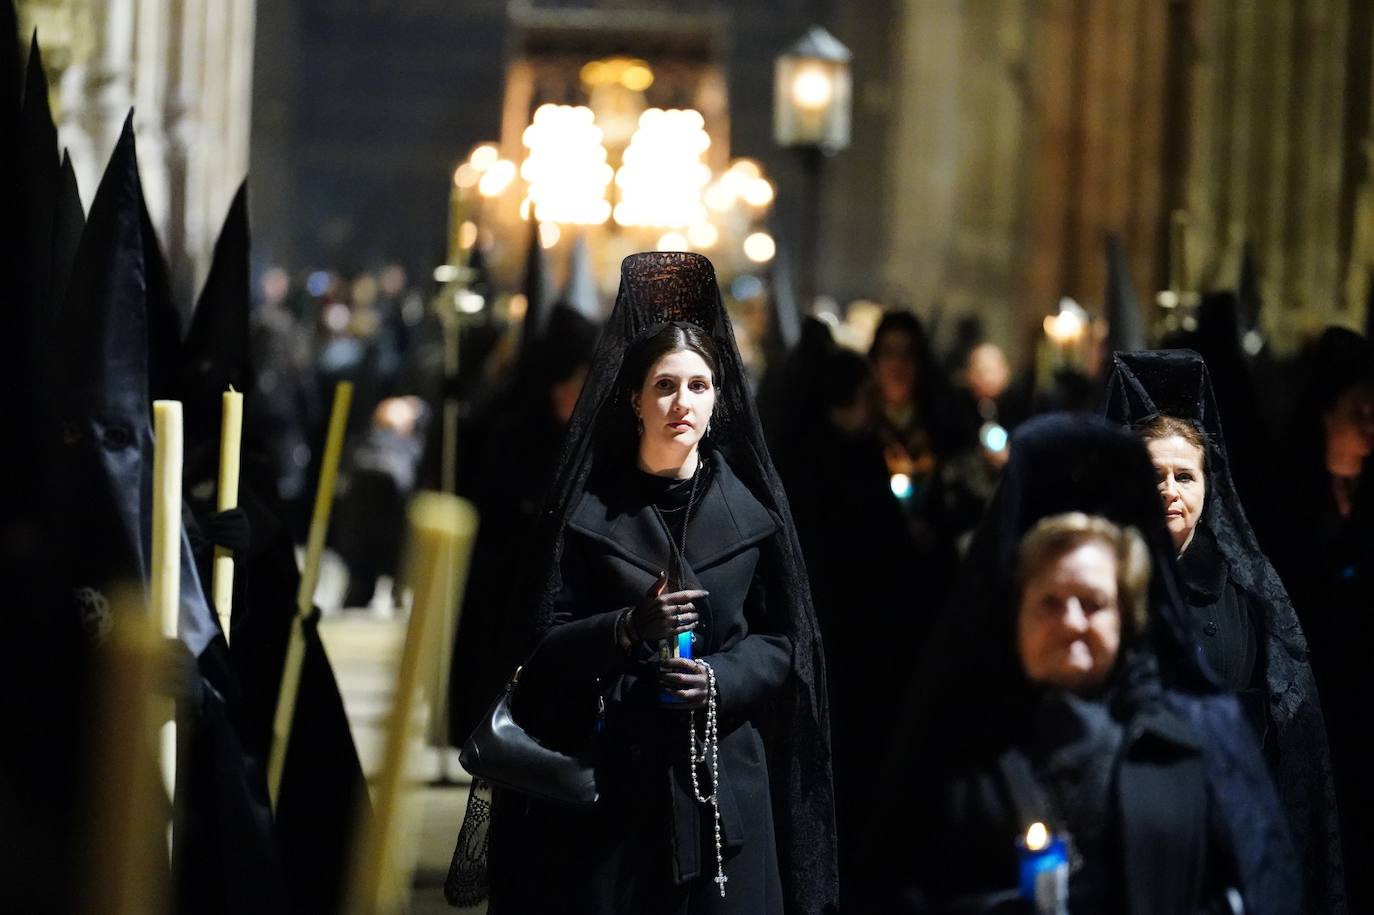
{"type": "Point", "coordinates": [1144, 385]}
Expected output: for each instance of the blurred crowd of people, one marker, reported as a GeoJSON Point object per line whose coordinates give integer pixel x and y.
{"type": "Point", "coordinates": [890, 449]}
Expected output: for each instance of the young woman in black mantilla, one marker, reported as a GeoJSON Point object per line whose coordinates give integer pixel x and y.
{"type": "Point", "coordinates": [667, 519]}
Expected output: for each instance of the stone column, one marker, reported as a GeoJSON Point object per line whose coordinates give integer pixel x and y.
{"type": "Point", "coordinates": [186, 67]}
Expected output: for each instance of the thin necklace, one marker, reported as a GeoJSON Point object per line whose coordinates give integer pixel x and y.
{"type": "Point", "coordinates": [678, 553]}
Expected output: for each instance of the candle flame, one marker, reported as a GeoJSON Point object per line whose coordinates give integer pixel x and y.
{"type": "Point", "coordinates": [1037, 837]}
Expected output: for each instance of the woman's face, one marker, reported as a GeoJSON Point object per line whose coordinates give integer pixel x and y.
{"type": "Point", "coordinates": [1182, 486]}
{"type": "Point", "coordinates": [1350, 425]}
{"type": "Point", "coordinates": [895, 367]}
{"type": "Point", "coordinates": [675, 402]}
{"type": "Point", "coordinates": [1068, 624]}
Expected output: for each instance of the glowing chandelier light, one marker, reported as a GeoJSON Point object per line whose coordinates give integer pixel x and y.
{"type": "Point", "coordinates": [566, 170]}
{"type": "Point", "coordinates": [662, 176]}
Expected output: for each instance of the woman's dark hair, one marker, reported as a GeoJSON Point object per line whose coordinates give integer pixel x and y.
{"type": "Point", "coordinates": [918, 344]}
{"type": "Point", "coordinates": [657, 342]}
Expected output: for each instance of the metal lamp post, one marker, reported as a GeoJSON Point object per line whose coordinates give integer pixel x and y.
{"type": "Point", "coordinates": [811, 108]}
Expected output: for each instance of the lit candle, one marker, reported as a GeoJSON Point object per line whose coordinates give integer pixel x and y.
{"type": "Point", "coordinates": [165, 580]}
{"type": "Point", "coordinates": [305, 593]}
{"type": "Point", "coordinates": [227, 497]}
{"type": "Point", "coordinates": [1044, 863]}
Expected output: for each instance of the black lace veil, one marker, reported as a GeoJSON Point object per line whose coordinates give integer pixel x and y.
{"type": "Point", "coordinates": [656, 288]}
{"type": "Point", "coordinates": [1144, 385]}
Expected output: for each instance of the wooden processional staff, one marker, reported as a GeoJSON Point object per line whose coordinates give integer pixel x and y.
{"type": "Point", "coordinates": [305, 594]}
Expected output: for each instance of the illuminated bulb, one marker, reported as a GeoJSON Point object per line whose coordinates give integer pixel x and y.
{"type": "Point", "coordinates": [811, 88]}
{"type": "Point", "coordinates": [466, 176]}
{"type": "Point", "coordinates": [517, 305]}
{"type": "Point", "coordinates": [703, 235]}
{"type": "Point", "coordinates": [719, 197]}
{"type": "Point", "coordinates": [467, 234]}
{"type": "Point", "coordinates": [746, 168]}
{"type": "Point", "coordinates": [497, 178]}
{"type": "Point", "coordinates": [901, 485]}
{"type": "Point", "coordinates": [1064, 327]}
{"type": "Point", "coordinates": [469, 303]}
{"type": "Point", "coordinates": [484, 157]}
{"type": "Point", "coordinates": [637, 77]}
{"type": "Point", "coordinates": [759, 247]}
{"type": "Point", "coordinates": [672, 241]}
{"type": "Point", "coordinates": [758, 192]}
{"type": "Point", "coordinates": [566, 167]}
{"type": "Point", "coordinates": [549, 233]}
{"type": "Point", "coordinates": [593, 73]}
{"type": "Point", "coordinates": [662, 177]}
{"type": "Point", "coordinates": [1037, 837]}
{"type": "Point", "coordinates": [445, 273]}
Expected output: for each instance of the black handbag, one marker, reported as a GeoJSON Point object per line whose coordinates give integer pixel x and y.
{"type": "Point", "coordinates": [500, 751]}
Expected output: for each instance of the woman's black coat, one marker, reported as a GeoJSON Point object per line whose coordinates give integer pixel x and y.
{"type": "Point", "coordinates": [1167, 842]}
{"type": "Point", "coordinates": [648, 846]}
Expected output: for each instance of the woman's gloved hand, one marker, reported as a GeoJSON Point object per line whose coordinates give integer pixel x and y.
{"type": "Point", "coordinates": [662, 616]}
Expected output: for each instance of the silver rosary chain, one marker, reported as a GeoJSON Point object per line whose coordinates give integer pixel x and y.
{"type": "Point", "coordinates": [698, 753]}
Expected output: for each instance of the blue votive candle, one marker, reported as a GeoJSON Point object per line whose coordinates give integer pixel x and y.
{"type": "Point", "coordinates": [1044, 861]}
{"type": "Point", "coordinates": [680, 646]}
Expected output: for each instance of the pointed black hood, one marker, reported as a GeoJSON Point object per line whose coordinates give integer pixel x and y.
{"type": "Point", "coordinates": [537, 294]}
{"type": "Point", "coordinates": [1250, 304]}
{"type": "Point", "coordinates": [164, 318]}
{"type": "Point", "coordinates": [105, 403]}
{"type": "Point", "coordinates": [580, 292]}
{"type": "Point", "coordinates": [1125, 320]}
{"type": "Point", "coordinates": [784, 312]}
{"type": "Point", "coordinates": [69, 221]}
{"type": "Point", "coordinates": [215, 354]}
{"type": "Point", "coordinates": [39, 166]}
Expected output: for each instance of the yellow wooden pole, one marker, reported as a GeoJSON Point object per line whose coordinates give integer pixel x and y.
{"type": "Point", "coordinates": [310, 576]}
{"type": "Point", "coordinates": [227, 497]}
{"type": "Point", "coordinates": [442, 530]}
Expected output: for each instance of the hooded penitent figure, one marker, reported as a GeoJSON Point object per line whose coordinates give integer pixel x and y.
{"type": "Point", "coordinates": [596, 602]}
{"type": "Point", "coordinates": [323, 794]}
{"type": "Point", "coordinates": [225, 857]}
{"type": "Point", "coordinates": [1125, 749]}
{"type": "Point", "coordinates": [1240, 612]}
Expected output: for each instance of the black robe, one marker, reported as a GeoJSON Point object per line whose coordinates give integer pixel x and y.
{"type": "Point", "coordinates": [648, 846]}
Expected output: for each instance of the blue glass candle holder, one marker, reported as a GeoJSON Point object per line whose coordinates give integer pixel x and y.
{"type": "Point", "coordinates": [680, 646]}
{"type": "Point", "coordinates": [1044, 865]}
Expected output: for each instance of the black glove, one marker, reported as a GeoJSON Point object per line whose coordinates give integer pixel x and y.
{"type": "Point", "coordinates": [178, 675]}
{"type": "Point", "coordinates": [229, 529]}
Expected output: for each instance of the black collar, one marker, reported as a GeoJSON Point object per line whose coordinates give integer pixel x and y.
{"type": "Point", "coordinates": [727, 519]}
{"type": "Point", "coordinates": [1203, 567]}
